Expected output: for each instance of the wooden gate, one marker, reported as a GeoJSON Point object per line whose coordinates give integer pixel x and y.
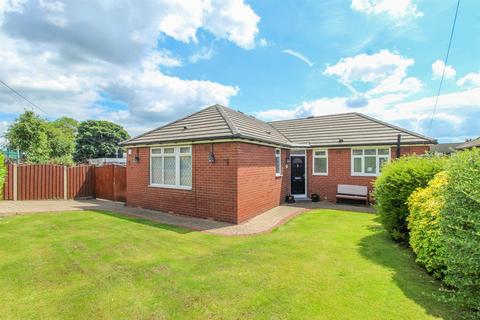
{"type": "Point", "coordinates": [111, 182]}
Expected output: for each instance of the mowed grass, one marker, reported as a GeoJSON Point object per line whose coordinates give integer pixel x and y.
{"type": "Point", "coordinates": [324, 264]}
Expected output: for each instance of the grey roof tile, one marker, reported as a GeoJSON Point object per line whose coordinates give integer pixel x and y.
{"type": "Point", "coordinates": [345, 129]}
{"type": "Point", "coordinates": [218, 122]}
{"type": "Point", "coordinates": [469, 144]}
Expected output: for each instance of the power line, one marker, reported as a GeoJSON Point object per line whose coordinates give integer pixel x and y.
{"type": "Point", "coordinates": [444, 67]}
{"type": "Point", "coordinates": [23, 97]}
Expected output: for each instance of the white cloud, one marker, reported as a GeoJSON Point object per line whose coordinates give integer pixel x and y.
{"type": "Point", "coordinates": [437, 70]}
{"type": "Point", "coordinates": [385, 71]}
{"type": "Point", "coordinates": [389, 98]}
{"type": "Point", "coordinates": [263, 43]}
{"type": "Point", "coordinates": [231, 19]}
{"type": "Point", "coordinates": [62, 70]}
{"type": "Point", "coordinates": [472, 79]}
{"type": "Point", "coordinates": [456, 117]}
{"type": "Point", "coordinates": [205, 53]}
{"type": "Point", "coordinates": [394, 8]}
{"type": "Point", "coordinates": [298, 55]}
{"type": "Point", "coordinates": [3, 129]}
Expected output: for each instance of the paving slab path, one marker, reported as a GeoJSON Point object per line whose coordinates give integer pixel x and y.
{"type": "Point", "coordinates": [262, 223]}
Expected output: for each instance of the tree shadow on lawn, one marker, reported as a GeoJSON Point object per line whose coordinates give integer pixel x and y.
{"type": "Point", "coordinates": [143, 221]}
{"type": "Point", "coordinates": [410, 277]}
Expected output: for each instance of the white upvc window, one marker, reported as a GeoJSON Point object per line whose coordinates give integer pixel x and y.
{"type": "Point", "coordinates": [320, 162]}
{"type": "Point", "coordinates": [278, 162]}
{"type": "Point", "coordinates": [369, 161]}
{"type": "Point", "coordinates": [171, 167]}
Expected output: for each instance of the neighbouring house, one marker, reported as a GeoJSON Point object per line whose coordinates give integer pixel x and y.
{"type": "Point", "coordinates": [444, 149]}
{"type": "Point", "coordinates": [469, 144]}
{"type": "Point", "coordinates": [222, 164]}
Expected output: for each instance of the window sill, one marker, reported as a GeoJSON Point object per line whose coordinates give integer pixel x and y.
{"type": "Point", "coordinates": [364, 175]}
{"type": "Point", "coordinates": [320, 174]}
{"type": "Point", "coordinates": [278, 175]}
{"type": "Point", "coordinates": [165, 186]}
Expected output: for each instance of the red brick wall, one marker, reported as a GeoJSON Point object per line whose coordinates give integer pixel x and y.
{"type": "Point", "coordinates": [213, 193]}
{"type": "Point", "coordinates": [240, 184]}
{"type": "Point", "coordinates": [259, 189]}
{"type": "Point", "coordinates": [339, 171]}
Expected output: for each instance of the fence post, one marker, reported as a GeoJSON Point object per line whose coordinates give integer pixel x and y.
{"type": "Point", "coordinates": [65, 175]}
{"type": "Point", "coordinates": [15, 178]}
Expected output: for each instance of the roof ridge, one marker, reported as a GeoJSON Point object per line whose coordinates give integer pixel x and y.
{"type": "Point", "coordinates": [396, 127]}
{"type": "Point", "coordinates": [310, 117]}
{"type": "Point", "coordinates": [227, 119]}
{"type": "Point", "coordinates": [237, 132]}
{"type": "Point", "coordinates": [166, 125]}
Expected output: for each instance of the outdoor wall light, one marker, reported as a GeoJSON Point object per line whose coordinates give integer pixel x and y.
{"type": "Point", "coordinates": [137, 157]}
{"type": "Point", "coordinates": [211, 157]}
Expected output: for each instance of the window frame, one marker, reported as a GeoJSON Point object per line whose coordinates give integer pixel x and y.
{"type": "Point", "coordinates": [319, 157]}
{"type": "Point", "coordinates": [177, 154]}
{"type": "Point", "coordinates": [278, 154]}
{"type": "Point", "coordinates": [362, 157]}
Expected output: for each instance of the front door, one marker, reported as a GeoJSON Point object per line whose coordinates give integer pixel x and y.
{"type": "Point", "coordinates": [298, 175]}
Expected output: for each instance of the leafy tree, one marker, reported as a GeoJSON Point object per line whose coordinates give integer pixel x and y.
{"type": "Point", "coordinates": [97, 139]}
{"type": "Point", "coordinates": [29, 134]}
{"type": "Point", "coordinates": [62, 134]}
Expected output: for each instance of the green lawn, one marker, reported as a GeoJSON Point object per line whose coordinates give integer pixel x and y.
{"type": "Point", "coordinates": [324, 264]}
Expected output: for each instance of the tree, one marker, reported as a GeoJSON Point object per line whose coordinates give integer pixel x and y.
{"type": "Point", "coordinates": [98, 139]}
{"type": "Point", "coordinates": [29, 134]}
{"type": "Point", "coordinates": [62, 134]}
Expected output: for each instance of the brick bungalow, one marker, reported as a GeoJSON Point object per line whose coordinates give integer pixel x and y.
{"type": "Point", "coordinates": [222, 164]}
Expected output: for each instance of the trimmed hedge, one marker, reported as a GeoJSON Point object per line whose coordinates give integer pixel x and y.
{"type": "Point", "coordinates": [395, 184]}
{"type": "Point", "coordinates": [424, 223]}
{"type": "Point", "coordinates": [460, 228]}
{"type": "Point", "coordinates": [3, 171]}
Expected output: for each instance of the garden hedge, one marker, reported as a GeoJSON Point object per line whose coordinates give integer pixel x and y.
{"type": "Point", "coordinates": [3, 171]}
{"type": "Point", "coordinates": [396, 183]}
{"type": "Point", "coordinates": [460, 228]}
{"type": "Point", "coordinates": [425, 206]}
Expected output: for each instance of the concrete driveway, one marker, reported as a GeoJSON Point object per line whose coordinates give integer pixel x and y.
{"type": "Point", "coordinates": [259, 224]}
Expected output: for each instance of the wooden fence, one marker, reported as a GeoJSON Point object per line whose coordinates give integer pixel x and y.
{"type": "Point", "coordinates": [42, 182]}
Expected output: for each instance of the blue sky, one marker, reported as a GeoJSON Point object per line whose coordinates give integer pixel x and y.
{"type": "Point", "coordinates": [144, 63]}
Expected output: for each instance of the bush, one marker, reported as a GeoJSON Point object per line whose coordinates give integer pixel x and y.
{"type": "Point", "coordinates": [460, 228]}
{"type": "Point", "coordinates": [395, 184]}
{"type": "Point", "coordinates": [3, 171]}
{"type": "Point", "coordinates": [424, 223]}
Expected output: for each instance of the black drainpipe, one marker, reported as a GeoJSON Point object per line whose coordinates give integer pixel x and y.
{"type": "Point", "coordinates": [399, 137]}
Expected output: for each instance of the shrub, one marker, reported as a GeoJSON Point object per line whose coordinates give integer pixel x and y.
{"type": "Point", "coordinates": [424, 223]}
{"type": "Point", "coordinates": [460, 228]}
{"type": "Point", "coordinates": [3, 171]}
{"type": "Point", "coordinates": [395, 184]}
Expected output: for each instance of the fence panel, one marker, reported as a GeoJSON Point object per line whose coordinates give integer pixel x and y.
{"type": "Point", "coordinates": [38, 181]}
{"type": "Point", "coordinates": [8, 184]}
{"type": "Point", "coordinates": [47, 181]}
{"type": "Point", "coordinates": [81, 182]}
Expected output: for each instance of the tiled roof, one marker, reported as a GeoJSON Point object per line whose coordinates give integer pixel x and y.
{"type": "Point", "coordinates": [218, 122]}
{"type": "Point", "coordinates": [469, 144]}
{"type": "Point", "coordinates": [215, 122]}
{"type": "Point", "coordinates": [346, 129]}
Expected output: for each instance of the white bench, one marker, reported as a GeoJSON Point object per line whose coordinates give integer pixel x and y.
{"type": "Point", "coordinates": [348, 191]}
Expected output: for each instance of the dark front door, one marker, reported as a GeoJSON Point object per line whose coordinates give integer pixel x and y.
{"type": "Point", "coordinates": [298, 175]}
